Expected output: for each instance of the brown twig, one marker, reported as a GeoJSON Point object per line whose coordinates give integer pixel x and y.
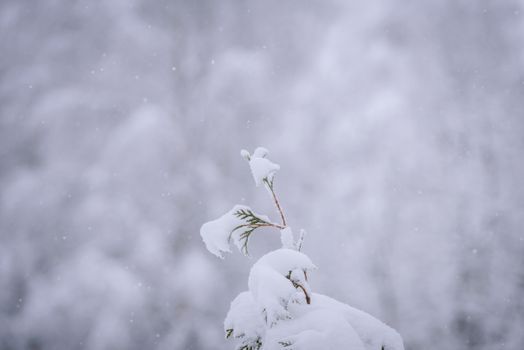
{"type": "Point", "coordinates": [280, 227]}
{"type": "Point", "coordinates": [275, 199]}
{"type": "Point", "coordinates": [308, 298]}
{"type": "Point", "coordinates": [298, 285]}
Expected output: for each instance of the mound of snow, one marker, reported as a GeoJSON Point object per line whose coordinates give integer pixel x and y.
{"type": "Point", "coordinates": [374, 333]}
{"type": "Point", "coordinates": [270, 286]}
{"type": "Point", "coordinates": [244, 320]}
{"type": "Point", "coordinates": [285, 260]}
{"type": "Point", "coordinates": [313, 328]}
{"type": "Point", "coordinates": [330, 324]}
{"type": "Point", "coordinates": [273, 313]}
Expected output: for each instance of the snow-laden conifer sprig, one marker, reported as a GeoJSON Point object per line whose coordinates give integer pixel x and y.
{"type": "Point", "coordinates": [238, 224]}
{"type": "Point", "coordinates": [253, 220]}
{"type": "Point", "coordinates": [279, 311]}
{"type": "Point", "coordinates": [252, 223]}
{"type": "Point", "coordinates": [263, 171]}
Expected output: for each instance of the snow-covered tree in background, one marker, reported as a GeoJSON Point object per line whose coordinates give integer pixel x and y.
{"type": "Point", "coordinates": [279, 310]}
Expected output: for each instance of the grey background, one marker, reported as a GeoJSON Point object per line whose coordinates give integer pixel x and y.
{"type": "Point", "coordinates": [398, 125]}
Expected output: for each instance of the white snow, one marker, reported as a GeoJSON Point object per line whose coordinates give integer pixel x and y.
{"type": "Point", "coordinates": [271, 290]}
{"type": "Point", "coordinates": [260, 152]}
{"type": "Point", "coordinates": [313, 328]}
{"type": "Point", "coordinates": [272, 293]}
{"type": "Point", "coordinates": [245, 319]}
{"type": "Point", "coordinates": [279, 311]}
{"type": "Point", "coordinates": [300, 240]}
{"type": "Point", "coordinates": [216, 234]}
{"type": "Point", "coordinates": [261, 167]}
{"type": "Point", "coordinates": [285, 260]}
{"type": "Point", "coordinates": [287, 239]}
{"type": "Point", "coordinates": [245, 154]}
{"type": "Point", "coordinates": [330, 324]}
{"type": "Point", "coordinates": [274, 312]}
{"type": "Point", "coordinates": [374, 333]}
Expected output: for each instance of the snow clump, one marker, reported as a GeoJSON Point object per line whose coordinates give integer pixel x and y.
{"type": "Point", "coordinates": [261, 167]}
{"type": "Point", "coordinates": [217, 234]}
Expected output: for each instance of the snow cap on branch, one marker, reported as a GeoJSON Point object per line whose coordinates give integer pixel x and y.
{"type": "Point", "coordinates": [217, 234]}
{"type": "Point", "coordinates": [270, 286]}
{"type": "Point", "coordinates": [284, 260]}
{"type": "Point", "coordinates": [261, 167]}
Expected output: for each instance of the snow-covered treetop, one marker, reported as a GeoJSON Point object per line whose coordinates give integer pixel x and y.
{"type": "Point", "coordinates": [279, 311]}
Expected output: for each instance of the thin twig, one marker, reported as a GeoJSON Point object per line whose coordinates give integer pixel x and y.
{"type": "Point", "coordinates": [275, 199]}
{"type": "Point", "coordinates": [270, 224]}
{"type": "Point", "coordinates": [298, 285]}
{"type": "Point", "coordinates": [308, 298]}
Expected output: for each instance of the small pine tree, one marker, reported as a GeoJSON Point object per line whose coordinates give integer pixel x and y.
{"type": "Point", "coordinates": [279, 310]}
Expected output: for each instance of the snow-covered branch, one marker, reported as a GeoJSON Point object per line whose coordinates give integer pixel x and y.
{"type": "Point", "coordinates": [279, 310]}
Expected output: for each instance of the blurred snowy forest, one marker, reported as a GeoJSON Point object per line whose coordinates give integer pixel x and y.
{"type": "Point", "coordinates": [399, 127]}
